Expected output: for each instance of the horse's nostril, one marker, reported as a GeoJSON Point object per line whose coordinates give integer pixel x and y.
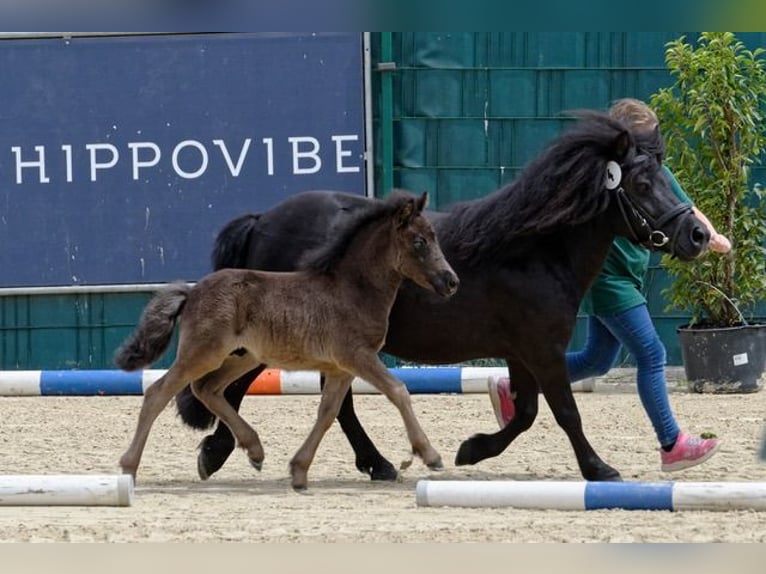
{"type": "Point", "coordinates": [453, 282]}
{"type": "Point", "coordinates": [700, 235]}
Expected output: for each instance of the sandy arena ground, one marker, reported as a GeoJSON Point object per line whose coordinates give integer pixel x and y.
{"type": "Point", "coordinates": [59, 435]}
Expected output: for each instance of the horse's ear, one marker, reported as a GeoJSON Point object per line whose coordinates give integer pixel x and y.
{"type": "Point", "coordinates": [422, 202]}
{"type": "Point", "coordinates": [622, 144]}
{"type": "Point", "coordinates": [661, 145]}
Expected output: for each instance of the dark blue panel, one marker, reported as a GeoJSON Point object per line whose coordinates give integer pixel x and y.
{"type": "Point", "coordinates": [199, 129]}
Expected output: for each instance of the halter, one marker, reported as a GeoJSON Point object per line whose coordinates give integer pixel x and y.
{"type": "Point", "coordinates": [645, 229]}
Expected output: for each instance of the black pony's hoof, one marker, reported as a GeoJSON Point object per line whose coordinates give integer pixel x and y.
{"type": "Point", "coordinates": [211, 456]}
{"type": "Point", "coordinates": [603, 474]}
{"type": "Point", "coordinates": [379, 469]}
{"type": "Point", "coordinates": [201, 468]}
{"type": "Point", "coordinates": [470, 451]}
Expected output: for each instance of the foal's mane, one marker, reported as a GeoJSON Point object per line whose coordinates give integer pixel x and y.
{"type": "Point", "coordinates": [325, 258]}
{"type": "Point", "coordinates": [563, 186]}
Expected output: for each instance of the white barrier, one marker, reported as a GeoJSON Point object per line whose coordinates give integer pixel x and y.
{"type": "Point", "coordinates": [66, 490]}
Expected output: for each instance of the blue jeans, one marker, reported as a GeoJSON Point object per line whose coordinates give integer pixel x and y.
{"type": "Point", "coordinates": [633, 329]}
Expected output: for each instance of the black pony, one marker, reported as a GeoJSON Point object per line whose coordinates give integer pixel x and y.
{"type": "Point", "coordinates": [525, 255]}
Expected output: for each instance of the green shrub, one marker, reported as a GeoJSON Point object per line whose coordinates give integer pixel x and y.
{"type": "Point", "coordinates": [714, 132]}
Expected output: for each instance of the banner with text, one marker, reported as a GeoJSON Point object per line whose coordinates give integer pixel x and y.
{"type": "Point", "coordinates": [122, 157]}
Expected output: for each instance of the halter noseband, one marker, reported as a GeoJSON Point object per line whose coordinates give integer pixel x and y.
{"type": "Point", "coordinates": [638, 221]}
{"type": "Point", "coordinates": [645, 229]}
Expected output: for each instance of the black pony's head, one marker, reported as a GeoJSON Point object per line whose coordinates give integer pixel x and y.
{"type": "Point", "coordinates": [595, 165]}
{"type": "Point", "coordinates": [652, 215]}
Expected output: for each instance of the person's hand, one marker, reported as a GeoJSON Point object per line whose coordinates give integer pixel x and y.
{"type": "Point", "coordinates": [719, 243]}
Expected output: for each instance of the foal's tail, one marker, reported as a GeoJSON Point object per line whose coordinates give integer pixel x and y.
{"type": "Point", "coordinates": [231, 243]}
{"type": "Point", "coordinates": [155, 329]}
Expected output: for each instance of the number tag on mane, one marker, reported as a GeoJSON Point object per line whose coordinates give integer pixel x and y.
{"type": "Point", "coordinates": [613, 175]}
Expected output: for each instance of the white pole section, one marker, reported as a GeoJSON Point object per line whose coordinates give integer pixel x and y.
{"type": "Point", "coordinates": [66, 490]}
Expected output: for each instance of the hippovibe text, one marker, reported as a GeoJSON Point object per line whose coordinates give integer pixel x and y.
{"type": "Point", "coordinates": [189, 158]}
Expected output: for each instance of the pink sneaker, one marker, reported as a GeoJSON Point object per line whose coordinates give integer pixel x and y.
{"type": "Point", "coordinates": [502, 399]}
{"type": "Point", "coordinates": [687, 452]}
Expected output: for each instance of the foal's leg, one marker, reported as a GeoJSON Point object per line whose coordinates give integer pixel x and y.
{"type": "Point", "coordinates": [215, 448]}
{"type": "Point", "coordinates": [156, 398]}
{"type": "Point", "coordinates": [335, 387]}
{"type": "Point", "coordinates": [370, 368]}
{"type": "Point", "coordinates": [209, 390]}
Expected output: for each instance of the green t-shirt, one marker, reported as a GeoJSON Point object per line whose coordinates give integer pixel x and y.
{"type": "Point", "coordinates": [620, 284]}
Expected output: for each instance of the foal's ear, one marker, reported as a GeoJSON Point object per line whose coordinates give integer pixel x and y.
{"type": "Point", "coordinates": [622, 144]}
{"type": "Point", "coordinates": [405, 211]}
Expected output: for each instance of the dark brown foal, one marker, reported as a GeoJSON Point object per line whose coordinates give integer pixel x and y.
{"type": "Point", "coordinates": [331, 316]}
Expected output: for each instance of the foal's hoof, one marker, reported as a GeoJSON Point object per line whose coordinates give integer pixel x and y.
{"type": "Point", "coordinates": [436, 465]}
{"type": "Point", "coordinates": [256, 464]}
{"type": "Point", "coordinates": [127, 467]}
{"type": "Point", "coordinates": [298, 476]}
{"type": "Point", "coordinates": [128, 471]}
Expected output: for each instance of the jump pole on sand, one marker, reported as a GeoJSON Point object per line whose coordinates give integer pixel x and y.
{"type": "Point", "coordinates": [564, 495]}
{"type": "Point", "coordinates": [419, 380]}
{"type": "Point", "coordinates": [66, 490]}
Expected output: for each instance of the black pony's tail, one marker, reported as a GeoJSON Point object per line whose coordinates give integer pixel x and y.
{"type": "Point", "coordinates": [229, 251]}
{"type": "Point", "coordinates": [230, 248]}
{"type": "Point", "coordinates": [152, 336]}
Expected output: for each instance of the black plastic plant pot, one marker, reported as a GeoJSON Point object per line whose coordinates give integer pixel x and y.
{"type": "Point", "coordinates": [724, 360]}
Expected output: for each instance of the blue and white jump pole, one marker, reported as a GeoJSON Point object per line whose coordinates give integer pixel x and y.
{"type": "Point", "coordinates": [564, 495]}
{"type": "Point", "coordinates": [419, 380]}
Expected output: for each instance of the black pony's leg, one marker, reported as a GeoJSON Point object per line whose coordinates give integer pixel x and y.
{"type": "Point", "coordinates": [368, 458]}
{"type": "Point", "coordinates": [558, 394]}
{"type": "Point", "coordinates": [216, 448]}
{"type": "Point", "coordinates": [554, 383]}
{"type": "Point", "coordinates": [481, 446]}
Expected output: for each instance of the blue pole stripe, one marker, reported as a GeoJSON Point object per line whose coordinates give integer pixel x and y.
{"type": "Point", "coordinates": [430, 380]}
{"type": "Point", "coordinates": [629, 495]}
{"type": "Point", "coordinates": [84, 383]}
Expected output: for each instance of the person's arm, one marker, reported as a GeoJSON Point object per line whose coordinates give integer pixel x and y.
{"type": "Point", "coordinates": [718, 243]}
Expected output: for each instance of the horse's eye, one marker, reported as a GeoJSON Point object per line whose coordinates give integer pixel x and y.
{"type": "Point", "coordinates": [641, 187]}
{"type": "Point", "coordinates": [419, 244]}
{"type": "Point", "coordinates": [645, 187]}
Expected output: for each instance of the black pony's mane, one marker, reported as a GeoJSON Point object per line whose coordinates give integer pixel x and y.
{"type": "Point", "coordinates": [325, 258]}
{"type": "Point", "coordinates": [563, 186]}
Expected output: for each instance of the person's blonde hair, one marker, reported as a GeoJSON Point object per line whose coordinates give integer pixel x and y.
{"type": "Point", "coordinates": [635, 114]}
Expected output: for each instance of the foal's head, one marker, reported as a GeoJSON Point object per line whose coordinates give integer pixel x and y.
{"type": "Point", "coordinates": [418, 253]}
